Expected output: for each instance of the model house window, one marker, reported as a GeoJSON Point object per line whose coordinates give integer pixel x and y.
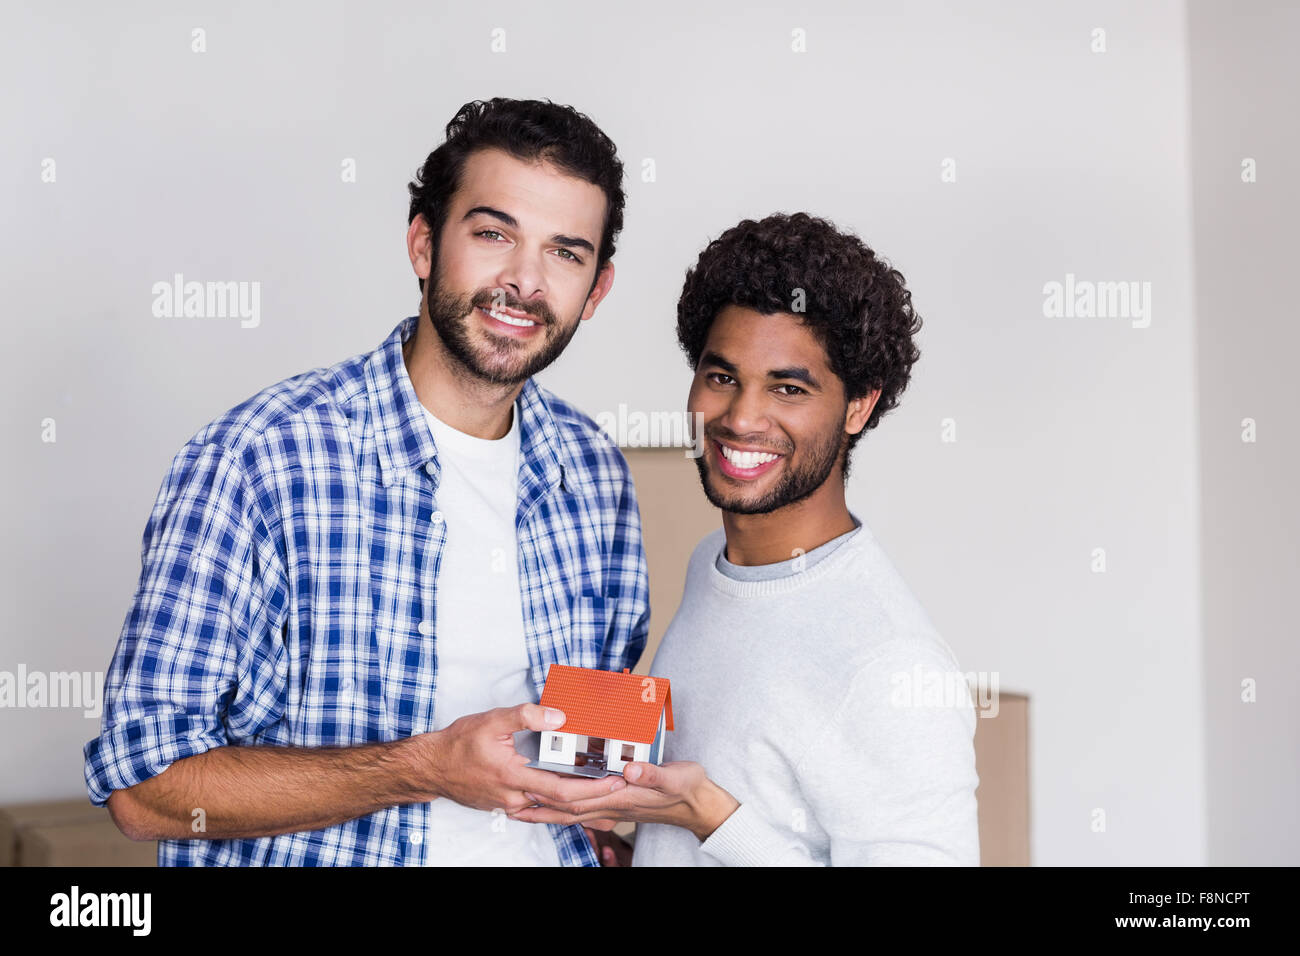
{"type": "Point", "coordinates": [629, 752]}
{"type": "Point", "coordinates": [596, 745]}
{"type": "Point", "coordinates": [557, 743]}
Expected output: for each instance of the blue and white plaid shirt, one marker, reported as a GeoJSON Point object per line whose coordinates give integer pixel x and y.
{"type": "Point", "coordinates": [288, 591]}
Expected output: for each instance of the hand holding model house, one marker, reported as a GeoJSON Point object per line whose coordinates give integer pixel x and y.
{"type": "Point", "coordinates": [616, 724]}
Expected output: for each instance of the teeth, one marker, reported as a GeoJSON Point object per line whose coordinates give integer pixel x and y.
{"type": "Point", "coordinates": [747, 459]}
{"type": "Point", "coordinates": [509, 319]}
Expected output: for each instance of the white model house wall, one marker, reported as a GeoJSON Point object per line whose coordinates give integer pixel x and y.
{"type": "Point", "coordinates": [614, 754]}
{"type": "Point", "coordinates": [568, 748]}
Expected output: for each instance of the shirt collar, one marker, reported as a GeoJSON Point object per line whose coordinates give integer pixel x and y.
{"type": "Point", "coordinates": [404, 440]}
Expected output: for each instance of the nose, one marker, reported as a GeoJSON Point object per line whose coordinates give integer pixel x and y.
{"type": "Point", "coordinates": [747, 412]}
{"type": "Point", "coordinates": [521, 275]}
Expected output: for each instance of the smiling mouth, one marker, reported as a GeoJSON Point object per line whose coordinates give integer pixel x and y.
{"type": "Point", "coordinates": [736, 463]}
{"type": "Point", "coordinates": [518, 320]}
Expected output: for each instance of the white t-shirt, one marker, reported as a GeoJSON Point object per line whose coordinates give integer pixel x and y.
{"type": "Point", "coordinates": [479, 628]}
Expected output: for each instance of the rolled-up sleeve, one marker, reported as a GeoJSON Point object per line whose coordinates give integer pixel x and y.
{"type": "Point", "coordinates": [200, 661]}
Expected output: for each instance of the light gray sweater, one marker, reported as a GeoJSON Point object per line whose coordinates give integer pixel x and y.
{"type": "Point", "coordinates": [804, 697]}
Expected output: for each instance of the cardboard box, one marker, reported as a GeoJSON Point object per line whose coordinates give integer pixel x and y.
{"type": "Point", "coordinates": [83, 844]}
{"type": "Point", "coordinates": [70, 833]}
{"type": "Point", "coordinates": [1002, 762]}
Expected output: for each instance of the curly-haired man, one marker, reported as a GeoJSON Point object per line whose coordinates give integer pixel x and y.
{"type": "Point", "coordinates": [798, 654]}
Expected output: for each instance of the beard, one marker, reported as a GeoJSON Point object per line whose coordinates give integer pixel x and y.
{"type": "Point", "coordinates": [795, 484]}
{"type": "Point", "coordinates": [496, 359]}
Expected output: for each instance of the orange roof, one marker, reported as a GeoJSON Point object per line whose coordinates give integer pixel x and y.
{"type": "Point", "coordinates": [607, 704]}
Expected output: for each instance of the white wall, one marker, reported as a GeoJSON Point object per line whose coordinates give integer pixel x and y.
{"type": "Point", "coordinates": [1072, 434]}
{"type": "Point", "coordinates": [1244, 81]}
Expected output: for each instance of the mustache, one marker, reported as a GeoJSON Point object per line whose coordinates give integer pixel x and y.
{"type": "Point", "coordinates": [757, 441]}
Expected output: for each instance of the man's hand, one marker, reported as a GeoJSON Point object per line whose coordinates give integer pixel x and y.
{"type": "Point", "coordinates": [679, 794]}
{"type": "Point", "coordinates": [250, 792]}
{"type": "Point", "coordinates": [611, 849]}
{"type": "Point", "coordinates": [473, 762]}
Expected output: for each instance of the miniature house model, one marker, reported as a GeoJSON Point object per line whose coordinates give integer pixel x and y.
{"type": "Point", "coordinates": [611, 719]}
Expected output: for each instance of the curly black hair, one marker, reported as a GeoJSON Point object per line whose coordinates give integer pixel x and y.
{"type": "Point", "coordinates": [856, 304]}
{"type": "Point", "coordinates": [530, 130]}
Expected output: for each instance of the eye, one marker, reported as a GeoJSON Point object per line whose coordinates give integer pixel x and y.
{"type": "Point", "coordinates": [487, 232]}
{"type": "Point", "coordinates": [795, 390]}
{"type": "Point", "coordinates": [570, 256]}
{"type": "Point", "coordinates": [715, 376]}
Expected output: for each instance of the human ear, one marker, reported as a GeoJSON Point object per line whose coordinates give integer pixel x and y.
{"type": "Point", "coordinates": [859, 412]}
{"type": "Point", "coordinates": [604, 281]}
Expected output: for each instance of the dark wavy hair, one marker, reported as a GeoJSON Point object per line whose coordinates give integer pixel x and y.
{"type": "Point", "coordinates": [856, 304]}
{"type": "Point", "coordinates": [530, 130]}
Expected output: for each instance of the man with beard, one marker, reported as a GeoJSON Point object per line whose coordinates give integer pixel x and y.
{"type": "Point", "coordinates": [801, 734]}
{"type": "Point", "coordinates": [354, 582]}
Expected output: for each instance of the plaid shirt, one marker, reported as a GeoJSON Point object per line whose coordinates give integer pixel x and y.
{"type": "Point", "coordinates": [288, 591]}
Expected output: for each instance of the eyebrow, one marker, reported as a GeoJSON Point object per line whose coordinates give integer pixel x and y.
{"type": "Point", "coordinates": [796, 372]}
{"type": "Point", "coordinates": [570, 242]}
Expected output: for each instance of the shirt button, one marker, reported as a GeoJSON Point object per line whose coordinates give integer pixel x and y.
{"type": "Point", "coordinates": [426, 628]}
{"type": "Point", "coordinates": [430, 468]}
{"type": "Point", "coordinates": [347, 685]}
{"type": "Point", "coordinates": [436, 517]}
{"type": "Point", "coordinates": [417, 838]}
